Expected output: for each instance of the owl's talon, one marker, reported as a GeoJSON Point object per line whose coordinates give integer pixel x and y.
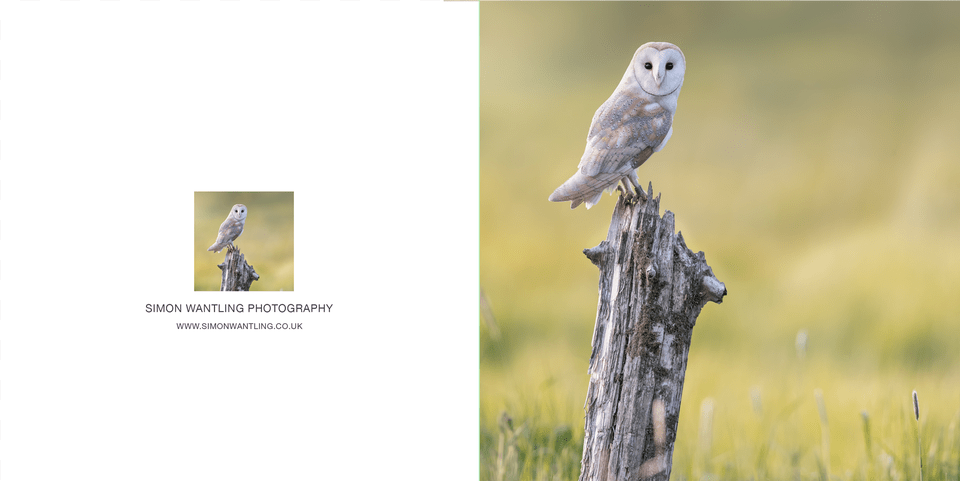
{"type": "Point", "coordinates": [641, 195]}
{"type": "Point", "coordinates": [628, 194]}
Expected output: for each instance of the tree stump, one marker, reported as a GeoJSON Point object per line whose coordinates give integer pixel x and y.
{"type": "Point", "coordinates": [652, 288]}
{"type": "Point", "coordinates": [236, 274]}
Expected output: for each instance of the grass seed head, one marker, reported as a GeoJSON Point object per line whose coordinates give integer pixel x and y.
{"type": "Point", "coordinates": [916, 406]}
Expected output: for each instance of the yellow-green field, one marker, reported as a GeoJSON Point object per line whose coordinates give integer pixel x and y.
{"type": "Point", "coordinates": [815, 160]}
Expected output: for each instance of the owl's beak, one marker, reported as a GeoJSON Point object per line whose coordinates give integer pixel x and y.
{"type": "Point", "coordinates": [658, 75]}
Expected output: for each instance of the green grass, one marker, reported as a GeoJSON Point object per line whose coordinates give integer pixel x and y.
{"type": "Point", "coordinates": [813, 160]}
{"type": "Point", "coordinates": [732, 429]}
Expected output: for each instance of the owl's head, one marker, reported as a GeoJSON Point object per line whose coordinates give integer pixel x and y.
{"type": "Point", "coordinates": [239, 211]}
{"type": "Point", "coordinates": [659, 67]}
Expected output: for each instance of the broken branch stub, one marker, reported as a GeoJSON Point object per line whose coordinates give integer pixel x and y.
{"type": "Point", "coordinates": [236, 274]}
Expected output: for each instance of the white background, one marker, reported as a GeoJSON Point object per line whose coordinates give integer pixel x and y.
{"type": "Point", "coordinates": [112, 114]}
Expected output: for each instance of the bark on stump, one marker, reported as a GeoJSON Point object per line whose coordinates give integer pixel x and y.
{"type": "Point", "coordinates": [236, 274]}
{"type": "Point", "coordinates": [652, 288]}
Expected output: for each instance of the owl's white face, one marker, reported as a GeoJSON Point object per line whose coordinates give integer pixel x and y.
{"type": "Point", "coordinates": [659, 68]}
{"type": "Point", "coordinates": [239, 212]}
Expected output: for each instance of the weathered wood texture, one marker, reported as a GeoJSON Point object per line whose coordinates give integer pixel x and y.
{"type": "Point", "coordinates": [652, 288]}
{"type": "Point", "coordinates": [236, 274]}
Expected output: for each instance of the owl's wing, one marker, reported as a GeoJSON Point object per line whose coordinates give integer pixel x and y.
{"type": "Point", "coordinates": [625, 131]}
{"type": "Point", "coordinates": [230, 229]}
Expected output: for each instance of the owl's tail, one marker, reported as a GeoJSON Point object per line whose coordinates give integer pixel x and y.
{"type": "Point", "coordinates": [585, 189]}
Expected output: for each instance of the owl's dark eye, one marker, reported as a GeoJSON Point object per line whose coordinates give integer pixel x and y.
{"type": "Point", "coordinates": [669, 65]}
{"type": "Point", "coordinates": [648, 66]}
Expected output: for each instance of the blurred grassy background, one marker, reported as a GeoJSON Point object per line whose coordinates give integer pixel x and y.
{"type": "Point", "coordinates": [814, 160]}
{"type": "Point", "coordinates": [266, 242]}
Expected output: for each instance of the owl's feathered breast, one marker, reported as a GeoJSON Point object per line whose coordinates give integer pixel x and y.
{"type": "Point", "coordinates": [624, 132]}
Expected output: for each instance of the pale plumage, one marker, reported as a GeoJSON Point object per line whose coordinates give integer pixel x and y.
{"type": "Point", "coordinates": [231, 228]}
{"type": "Point", "coordinates": [635, 122]}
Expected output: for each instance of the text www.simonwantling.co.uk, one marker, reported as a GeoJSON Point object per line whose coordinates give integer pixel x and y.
{"type": "Point", "coordinates": [240, 325]}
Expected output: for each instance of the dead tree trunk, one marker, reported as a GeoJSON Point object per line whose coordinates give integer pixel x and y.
{"type": "Point", "coordinates": [236, 274]}
{"type": "Point", "coordinates": [652, 288]}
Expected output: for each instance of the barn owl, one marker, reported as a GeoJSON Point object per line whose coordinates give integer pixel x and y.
{"type": "Point", "coordinates": [231, 228]}
{"type": "Point", "coordinates": [635, 122]}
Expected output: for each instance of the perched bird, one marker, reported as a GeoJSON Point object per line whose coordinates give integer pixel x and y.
{"type": "Point", "coordinates": [635, 122]}
{"type": "Point", "coordinates": [231, 228]}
